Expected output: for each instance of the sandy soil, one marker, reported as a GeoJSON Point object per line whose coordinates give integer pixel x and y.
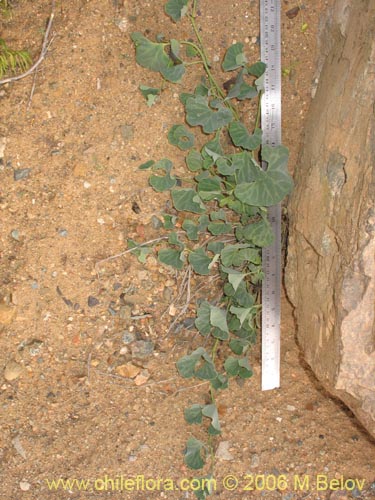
{"type": "Point", "coordinates": [70, 411]}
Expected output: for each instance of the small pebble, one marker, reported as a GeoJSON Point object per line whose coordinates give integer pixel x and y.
{"type": "Point", "coordinates": [12, 371]}
{"type": "Point", "coordinates": [92, 301]}
{"type": "Point", "coordinates": [63, 232]}
{"type": "Point", "coordinates": [21, 173]}
{"type": "Point", "coordinates": [255, 461]}
{"type": "Point", "coordinates": [7, 314]}
{"type": "Point", "coordinates": [128, 337]}
{"type": "Point", "coordinates": [15, 234]}
{"type": "Point", "coordinates": [142, 348]}
{"type": "Point", "coordinates": [25, 485]}
{"type": "Point", "coordinates": [86, 185]}
{"type": "Point", "coordinates": [291, 408]}
{"type": "Point", "coordinates": [223, 452]}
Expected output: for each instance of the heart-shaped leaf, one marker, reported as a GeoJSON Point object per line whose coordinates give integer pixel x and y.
{"type": "Point", "coordinates": [234, 57]}
{"type": "Point", "coordinates": [198, 112]}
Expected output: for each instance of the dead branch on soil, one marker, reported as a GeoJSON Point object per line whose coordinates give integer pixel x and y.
{"type": "Point", "coordinates": [43, 52]}
{"type": "Point", "coordinates": [112, 257]}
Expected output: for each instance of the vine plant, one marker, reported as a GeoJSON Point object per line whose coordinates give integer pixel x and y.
{"type": "Point", "coordinates": [224, 206]}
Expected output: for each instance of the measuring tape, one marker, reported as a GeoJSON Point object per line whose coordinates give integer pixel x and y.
{"type": "Point", "coordinates": [270, 50]}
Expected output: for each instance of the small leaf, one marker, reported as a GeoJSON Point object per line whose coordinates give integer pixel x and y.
{"type": "Point", "coordinates": [171, 257]}
{"type": "Point", "coordinates": [215, 247]}
{"type": "Point", "coordinates": [258, 69]}
{"type": "Point", "coordinates": [220, 382]}
{"type": "Point", "coordinates": [241, 367]}
{"type": "Point", "coordinates": [270, 186]}
{"type": "Point", "coordinates": [150, 94]}
{"type": "Point", "coordinates": [211, 412]}
{"type": "Point", "coordinates": [259, 233]}
{"type": "Point", "coordinates": [187, 200]}
{"type": "Point", "coordinates": [241, 313]}
{"type": "Point", "coordinates": [193, 454]}
{"type": "Point", "coordinates": [163, 164]}
{"type": "Point", "coordinates": [162, 183]}
{"type": "Point", "coordinates": [193, 415]}
{"type": "Point", "coordinates": [200, 261]}
{"type": "Point", "coordinates": [239, 346]}
{"type": "Point", "coordinates": [234, 57]}
{"type": "Point", "coordinates": [234, 277]}
{"type": "Point", "coordinates": [218, 318]}
{"type": "Point", "coordinates": [202, 321]}
{"type": "Point", "coordinates": [186, 365]}
{"type": "Point", "coordinates": [219, 215]}
{"type": "Point", "coordinates": [241, 90]}
{"type": "Point", "coordinates": [217, 228]}
{"type": "Point", "coordinates": [209, 188]}
{"type": "Point", "coordinates": [174, 240]}
{"type": "Point", "coordinates": [176, 9]}
{"type": "Point", "coordinates": [217, 333]}
{"type": "Point", "coordinates": [169, 221]}
{"type": "Point", "coordinates": [241, 137]}
{"type": "Point", "coordinates": [181, 137]}
{"type": "Point", "coordinates": [191, 229]}
{"type": "Point", "coordinates": [148, 164]}
{"type": "Point", "coordinates": [175, 50]}
{"type": "Point", "coordinates": [198, 112]}
{"type": "Point", "coordinates": [229, 254]}
{"type": "Point", "coordinates": [194, 160]}
{"type": "Point", "coordinates": [140, 251]}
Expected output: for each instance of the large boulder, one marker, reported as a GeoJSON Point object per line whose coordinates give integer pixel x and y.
{"type": "Point", "coordinates": [330, 275]}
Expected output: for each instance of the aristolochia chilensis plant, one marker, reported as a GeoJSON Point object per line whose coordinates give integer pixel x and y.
{"type": "Point", "coordinates": [224, 205]}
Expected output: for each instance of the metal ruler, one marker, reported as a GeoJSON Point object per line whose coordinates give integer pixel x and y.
{"type": "Point", "coordinates": [270, 43]}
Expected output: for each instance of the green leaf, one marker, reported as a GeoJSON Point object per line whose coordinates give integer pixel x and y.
{"type": "Point", "coordinates": [198, 112]}
{"type": "Point", "coordinates": [239, 346]}
{"type": "Point", "coordinates": [191, 229]}
{"type": "Point", "coordinates": [200, 261]}
{"type": "Point", "coordinates": [217, 333]}
{"type": "Point", "coordinates": [148, 164]}
{"type": "Point", "coordinates": [149, 54]}
{"type": "Point", "coordinates": [173, 74]}
{"type": "Point", "coordinates": [174, 240]}
{"type": "Point", "coordinates": [234, 57]}
{"type": "Point", "coordinates": [186, 199]}
{"type": "Point", "coordinates": [163, 164]}
{"type": "Point", "coordinates": [181, 137]}
{"type": "Point", "coordinates": [220, 382]}
{"type": "Point", "coordinates": [193, 415]}
{"type": "Point", "coordinates": [234, 277]}
{"type": "Point", "coordinates": [203, 223]}
{"type": "Point", "coordinates": [229, 254]}
{"type": "Point", "coordinates": [210, 188]}
{"type": "Point", "coordinates": [241, 137]}
{"type": "Point", "coordinates": [217, 228]}
{"type": "Point", "coordinates": [270, 186]}
{"type": "Point", "coordinates": [150, 94]}
{"type": "Point", "coordinates": [169, 221]}
{"type": "Point", "coordinates": [218, 215]}
{"type": "Point", "coordinates": [241, 367]}
{"type": "Point", "coordinates": [202, 321]}
{"type": "Point", "coordinates": [193, 454]}
{"type": "Point", "coordinates": [140, 251]}
{"type": "Point", "coordinates": [215, 247]}
{"type": "Point", "coordinates": [241, 313]}
{"type": "Point", "coordinates": [176, 9]}
{"type": "Point", "coordinates": [241, 90]}
{"type": "Point", "coordinates": [211, 412]}
{"type": "Point", "coordinates": [186, 365]}
{"type": "Point", "coordinates": [212, 148]}
{"type": "Point", "coordinates": [257, 69]}
{"type": "Point", "coordinates": [218, 318]}
{"type": "Point", "coordinates": [162, 183]}
{"type": "Point", "coordinates": [175, 50]}
{"type": "Point", "coordinates": [206, 371]}
{"type": "Point", "coordinates": [259, 233]}
{"type": "Point", "coordinates": [171, 257]}
{"type": "Point", "coordinates": [194, 160]}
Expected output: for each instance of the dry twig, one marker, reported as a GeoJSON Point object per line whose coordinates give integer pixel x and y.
{"type": "Point", "coordinates": [43, 52]}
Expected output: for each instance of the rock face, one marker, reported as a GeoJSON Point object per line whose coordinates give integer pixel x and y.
{"type": "Point", "coordinates": [330, 276]}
